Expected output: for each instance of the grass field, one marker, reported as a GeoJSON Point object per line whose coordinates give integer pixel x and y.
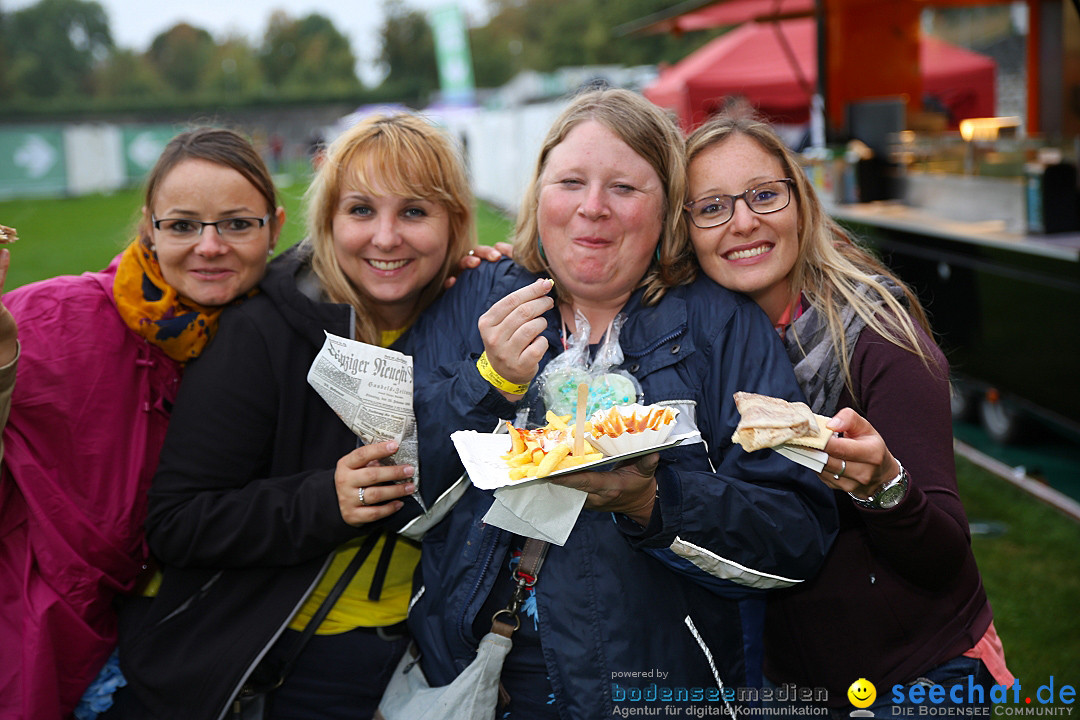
{"type": "Point", "coordinates": [72, 235]}
{"type": "Point", "coordinates": [1030, 564]}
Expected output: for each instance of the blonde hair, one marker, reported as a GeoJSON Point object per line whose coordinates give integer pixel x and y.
{"type": "Point", "coordinates": [404, 155]}
{"type": "Point", "coordinates": [652, 134]}
{"type": "Point", "coordinates": [830, 266]}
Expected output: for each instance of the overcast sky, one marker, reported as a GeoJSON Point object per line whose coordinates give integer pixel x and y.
{"type": "Point", "coordinates": [135, 23]}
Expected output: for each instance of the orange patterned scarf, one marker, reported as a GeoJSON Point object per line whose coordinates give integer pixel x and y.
{"type": "Point", "coordinates": [153, 309]}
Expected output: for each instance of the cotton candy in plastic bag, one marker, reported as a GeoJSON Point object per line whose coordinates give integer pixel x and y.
{"type": "Point", "coordinates": [608, 385]}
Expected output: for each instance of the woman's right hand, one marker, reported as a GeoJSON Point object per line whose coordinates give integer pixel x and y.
{"type": "Point", "coordinates": [511, 332]}
{"type": "Point", "coordinates": [382, 485]}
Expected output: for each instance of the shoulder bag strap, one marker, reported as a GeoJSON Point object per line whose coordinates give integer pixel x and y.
{"type": "Point", "coordinates": [506, 621]}
{"type": "Point", "coordinates": [324, 608]}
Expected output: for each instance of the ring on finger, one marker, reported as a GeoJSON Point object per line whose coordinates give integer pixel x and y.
{"type": "Point", "coordinates": [836, 477]}
{"type": "Point", "coordinates": [360, 495]}
{"type": "Point", "coordinates": [843, 467]}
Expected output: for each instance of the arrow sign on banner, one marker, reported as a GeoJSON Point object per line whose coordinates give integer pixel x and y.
{"type": "Point", "coordinates": [36, 155]}
{"type": "Point", "coordinates": [145, 149]}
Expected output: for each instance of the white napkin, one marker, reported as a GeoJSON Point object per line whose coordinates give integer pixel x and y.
{"type": "Point", "coordinates": [539, 510]}
{"type": "Point", "coordinates": [808, 457]}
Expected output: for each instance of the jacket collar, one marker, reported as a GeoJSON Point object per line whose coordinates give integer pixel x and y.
{"type": "Point", "coordinates": [292, 286]}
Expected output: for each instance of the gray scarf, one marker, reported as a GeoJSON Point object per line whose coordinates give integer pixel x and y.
{"type": "Point", "coordinates": [816, 368]}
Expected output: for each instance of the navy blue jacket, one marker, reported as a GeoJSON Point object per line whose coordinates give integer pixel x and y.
{"type": "Point", "coordinates": [618, 599]}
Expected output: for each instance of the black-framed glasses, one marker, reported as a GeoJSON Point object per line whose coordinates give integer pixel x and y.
{"type": "Point", "coordinates": [233, 229]}
{"type": "Point", "coordinates": [764, 198]}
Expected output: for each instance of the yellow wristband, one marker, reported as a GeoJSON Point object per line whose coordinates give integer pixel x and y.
{"type": "Point", "coordinates": [488, 373]}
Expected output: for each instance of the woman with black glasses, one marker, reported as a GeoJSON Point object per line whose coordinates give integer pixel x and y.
{"type": "Point", "coordinates": [97, 369]}
{"type": "Point", "coordinates": [899, 599]}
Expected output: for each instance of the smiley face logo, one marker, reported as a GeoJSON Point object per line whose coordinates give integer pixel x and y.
{"type": "Point", "coordinates": [862, 693]}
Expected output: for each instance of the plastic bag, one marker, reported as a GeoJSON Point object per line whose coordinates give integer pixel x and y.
{"type": "Point", "coordinates": [608, 386]}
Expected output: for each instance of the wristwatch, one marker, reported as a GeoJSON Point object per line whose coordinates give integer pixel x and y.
{"type": "Point", "coordinates": [889, 496]}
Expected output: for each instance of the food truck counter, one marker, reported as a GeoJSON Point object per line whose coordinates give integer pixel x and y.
{"type": "Point", "coordinates": [1002, 302]}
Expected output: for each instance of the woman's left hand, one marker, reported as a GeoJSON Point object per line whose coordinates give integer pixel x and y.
{"type": "Point", "coordinates": [629, 489]}
{"type": "Point", "coordinates": [479, 254]}
{"type": "Point", "coordinates": [368, 490]}
{"type": "Point", "coordinates": [859, 461]}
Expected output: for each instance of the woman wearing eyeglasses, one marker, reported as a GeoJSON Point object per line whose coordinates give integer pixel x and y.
{"type": "Point", "coordinates": [99, 361]}
{"type": "Point", "coordinates": [899, 598]}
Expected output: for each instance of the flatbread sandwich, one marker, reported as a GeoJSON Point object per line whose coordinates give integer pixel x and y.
{"type": "Point", "coordinates": [768, 422]}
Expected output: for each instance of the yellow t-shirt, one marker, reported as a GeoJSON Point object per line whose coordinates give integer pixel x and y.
{"type": "Point", "coordinates": [353, 609]}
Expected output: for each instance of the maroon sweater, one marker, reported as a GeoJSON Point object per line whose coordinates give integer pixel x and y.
{"type": "Point", "coordinates": [899, 592]}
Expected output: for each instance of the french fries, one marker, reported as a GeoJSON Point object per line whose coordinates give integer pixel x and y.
{"type": "Point", "coordinates": [538, 453]}
{"type": "Point", "coordinates": [614, 424]}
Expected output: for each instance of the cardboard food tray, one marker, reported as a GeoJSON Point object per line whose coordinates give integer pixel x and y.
{"type": "Point", "coordinates": [481, 453]}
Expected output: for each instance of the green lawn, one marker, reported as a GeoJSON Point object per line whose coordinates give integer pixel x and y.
{"type": "Point", "coordinates": [1031, 570]}
{"type": "Point", "coordinates": [72, 235]}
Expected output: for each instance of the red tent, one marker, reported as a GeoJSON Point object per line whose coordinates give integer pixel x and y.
{"type": "Point", "coordinates": [774, 66]}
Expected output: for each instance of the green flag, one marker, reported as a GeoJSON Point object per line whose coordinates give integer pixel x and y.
{"type": "Point", "coordinates": [452, 53]}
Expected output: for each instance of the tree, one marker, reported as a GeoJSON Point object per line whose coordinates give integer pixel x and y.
{"type": "Point", "coordinates": [545, 35]}
{"type": "Point", "coordinates": [182, 55]}
{"type": "Point", "coordinates": [52, 47]}
{"type": "Point", "coordinates": [234, 70]}
{"type": "Point", "coordinates": [297, 55]}
{"type": "Point", "coordinates": [408, 53]}
{"type": "Point", "coordinates": [126, 74]}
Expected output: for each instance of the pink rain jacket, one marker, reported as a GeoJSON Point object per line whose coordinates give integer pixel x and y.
{"type": "Point", "coordinates": [88, 418]}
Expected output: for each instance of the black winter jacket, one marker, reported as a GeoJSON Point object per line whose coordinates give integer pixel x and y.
{"type": "Point", "coordinates": [243, 510]}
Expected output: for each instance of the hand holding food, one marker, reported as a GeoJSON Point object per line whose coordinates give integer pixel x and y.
{"type": "Point", "coordinates": [629, 489]}
{"type": "Point", "coordinates": [859, 462]}
{"type": "Point", "coordinates": [511, 331]}
{"type": "Point", "coordinates": [367, 490]}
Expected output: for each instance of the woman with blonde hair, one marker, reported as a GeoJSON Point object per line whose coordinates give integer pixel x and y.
{"type": "Point", "coordinates": [627, 592]}
{"type": "Point", "coordinates": [899, 599]}
{"type": "Point", "coordinates": [264, 498]}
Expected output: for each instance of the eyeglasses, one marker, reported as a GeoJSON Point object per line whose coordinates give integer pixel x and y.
{"type": "Point", "coordinates": [768, 197]}
{"type": "Point", "coordinates": [233, 230]}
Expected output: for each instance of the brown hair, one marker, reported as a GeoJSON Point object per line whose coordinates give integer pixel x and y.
{"type": "Point", "coordinates": [652, 134]}
{"type": "Point", "coordinates": [830, 265]}
{"type": "Point", "coordinates": [217, 145]}
{"type": "Point", "coordinates": [402, 154]}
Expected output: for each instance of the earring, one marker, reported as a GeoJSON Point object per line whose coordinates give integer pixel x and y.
{"type": "Point", "coordinates": [270, 252]}
{"type": "Point", "coordinates": [657, 252]}
{"type": "Point", "coordinates": [153, 248]}
{"type": "Point", "coordinates": [540, 245]}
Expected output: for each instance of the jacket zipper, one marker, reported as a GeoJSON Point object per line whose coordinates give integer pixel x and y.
{"type": "Point", "coordinates": [266, 648]}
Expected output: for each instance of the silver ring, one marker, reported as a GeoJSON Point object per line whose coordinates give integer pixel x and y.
{"type": "Point", "coordinates": [836, 477]}
{"type": "Point", "coordinates": [472, 252]}
{"type": "Point", "coordinates": [843, 467]}
{"type": "Point", "coordinates": [360, 494]}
